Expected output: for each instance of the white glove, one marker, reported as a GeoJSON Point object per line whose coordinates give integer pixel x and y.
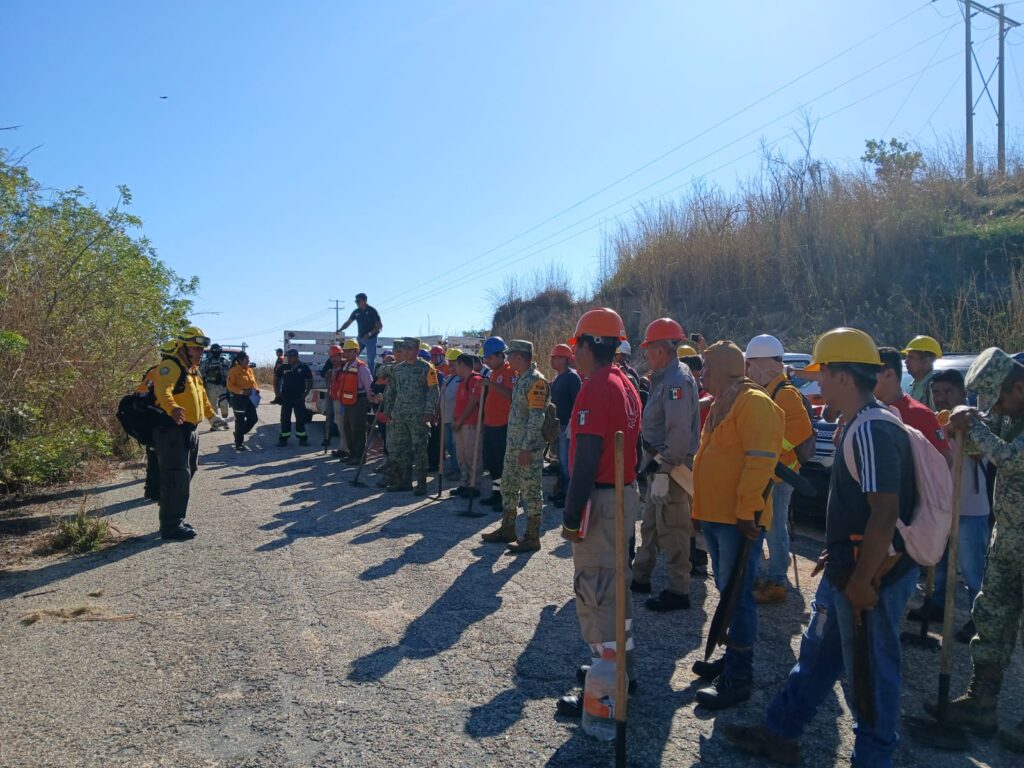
{"type": "Point", "coordinates": [218, 422]}
{"type": "Point", "coordinates": [660, 488]}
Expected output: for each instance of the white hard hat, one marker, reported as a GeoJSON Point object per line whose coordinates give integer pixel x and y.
{"type": "Point", "coordinates": [764, 346]}
{"type": "Point", "coordinates": [624, 348]}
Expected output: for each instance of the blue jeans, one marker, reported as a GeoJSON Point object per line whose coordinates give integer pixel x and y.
{"type": "Point", "coordinates": [563, 457]}
{"type": "Point", "coordinates": [774, 570]}
{"type": "Point", "coordinates": [971, 553]}
{"type": "Point", "coordinates": [724, 545]}
{"type": "Point", "coordinates": [371, 351]}
{"type": "Point", "coordinates": [826, 653]}
{"type": "Point", "coordinates": [452, 462]}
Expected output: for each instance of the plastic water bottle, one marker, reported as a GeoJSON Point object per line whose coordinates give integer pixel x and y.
{"type": "Point", "coordinates": [599, 697]}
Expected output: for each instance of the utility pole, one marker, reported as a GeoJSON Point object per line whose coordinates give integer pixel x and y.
{"type": "Point", "coordinates": [999, 105]}
{"type": "Point", "coordinates": [969, 101]}
{"type": "Point", "coordinates": [337, 309]}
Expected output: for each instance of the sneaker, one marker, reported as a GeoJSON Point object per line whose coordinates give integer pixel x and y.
{"type": "Point", "coordinates": [758, 740]}
{"type": "Point", "coordinates": [181, 532]}
{"type": "Point", "coordinates": [241, 448]}
{"type": "Point", "coordinates": [708, 670]}
{"type": "Point", "coordinates": [724, 692]}
{"type": "Point", "coordinates": [770, 594]}
{"type": "Point", "coordinates": [640, 587]}
{"type": "Point", "coordinates": [457, 492]}
{"type": "Point", "coordinates": [667, 601]}
{"type": "Point", "coordinates": [570, 706]}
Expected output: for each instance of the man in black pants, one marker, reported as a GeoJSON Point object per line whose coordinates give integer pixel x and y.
{"type": "Point", "coordinates": [296, 381]}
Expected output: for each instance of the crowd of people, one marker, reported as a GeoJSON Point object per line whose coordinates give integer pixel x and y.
{"type": "Point", "coordinates": [714, 435]}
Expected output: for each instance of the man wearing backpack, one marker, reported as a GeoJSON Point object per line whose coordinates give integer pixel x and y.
{"type": "Point", "coordinates": [998, 380]}
{"type": "Point", "coordinates": [214, 370]}
{"type": "Point", "coordinates": [671, 431]}
{"type": "Point", "coordinates": [180, 393]}
{"type": "Point", "coordinates": [764, 366]}
{"type": "Point", "coordinates": [524, 451]}
{"type": "Point", "coordinates": [921, 417]}
{"type": "Point", "coordinates": [865, 591]}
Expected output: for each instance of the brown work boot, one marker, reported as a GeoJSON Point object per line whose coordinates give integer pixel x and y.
{"type": "Point", "coordinates": [759, 740]}
{"type": "Point", "coordinates": [975, 710]}
{"type": "Point", "coordinates": [504, 533]}
{"type": "Point", "coordinates": [769, 594]}
{"type": "Point", "coordinates": [1013, 739]}
{"type": "Point", "coordinates": [530, 542]}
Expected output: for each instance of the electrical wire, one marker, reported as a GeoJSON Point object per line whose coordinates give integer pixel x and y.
{"type": "Point", "coordinates": [758, 129]}
{"type": "Point", "coordinates": [954, 84]}
{"type": "Point", "coordinates": [505, 263]}
{"type": "Point", "coordinates": [913, 87]}
{"type": "Point", "coordinates": [278, 328]}
{"type": "Point", "coordinates": [665, 154]}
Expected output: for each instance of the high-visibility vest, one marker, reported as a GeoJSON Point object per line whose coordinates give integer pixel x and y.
{"type": "Point", "coordinates": [345, 384]}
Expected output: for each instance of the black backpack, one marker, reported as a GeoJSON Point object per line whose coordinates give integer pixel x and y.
{"type": "Point", "coordinates": [138, 412]}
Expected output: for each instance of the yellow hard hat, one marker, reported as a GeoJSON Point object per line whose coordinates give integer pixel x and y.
{"type": "Point", "coordinates": [424, 346]}
{"type": "Point", "coordinates": [685, 350]}
{"type": "Point", "coordinates": [844, 345]}
{"type": "Point", "coordinates": [169, 347]}
{"type": "Point", "coordinates": [924, 344]}
{"type": "Point", "coordinates": [350, 344]}
{"type": "Point", "coordinates": [193, 336]}
{"type": "Point", "coordinates": [452, 354]}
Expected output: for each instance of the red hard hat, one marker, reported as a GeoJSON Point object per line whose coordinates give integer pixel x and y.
{"type": "Point", "coordinates": [664, 329]}
{"type": "Point", "coordinates": [436, 350]}
{"type": "Point", "coordinates": [602, 322]}
{"type": "Point", "coordinates": [562, 350]}
{"type": "Point", "coordinates": [333, 350]}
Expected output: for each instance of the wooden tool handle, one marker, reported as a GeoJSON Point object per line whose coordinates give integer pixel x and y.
{"type": "Point", "coordinates": [951, 555]}
{"type": "Point", "coordinates": [621, 683]}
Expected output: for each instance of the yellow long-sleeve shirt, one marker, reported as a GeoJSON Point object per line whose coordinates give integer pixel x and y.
{"type": "Point", "coordinates": [736, 461]}
{"type": "Point", "coordinates": [241, 378]}
{"type": "Point", "coordinates": [798, 423]}
{"type": "Point", "coordinates": [192, 399]}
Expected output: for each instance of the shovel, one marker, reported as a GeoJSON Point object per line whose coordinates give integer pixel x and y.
{"type": "Point", "coordinates": [938, 733]}
{"type": "Point", "coordinates": [366, 449]}
{"type": "Point", "coordinates": [440, 458]}
{"type": "Point", "coordinates": [621, 681]}
{"type": "Point", "coordinates": [476, 455]}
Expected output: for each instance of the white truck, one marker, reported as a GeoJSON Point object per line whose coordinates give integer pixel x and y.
{"type": "Point", "coordinates": [312, 347]}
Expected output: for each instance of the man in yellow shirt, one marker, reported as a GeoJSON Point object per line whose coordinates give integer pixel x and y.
{"type": "Point", "coordinates": [180, 393]}
{"type": "Point", "coordinates": [732, 477]}
{"type": "Point", "coordinates": [764, 367]}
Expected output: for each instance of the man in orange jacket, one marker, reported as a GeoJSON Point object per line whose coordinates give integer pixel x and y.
{"type": "Point", "coordinates": [732, 481]}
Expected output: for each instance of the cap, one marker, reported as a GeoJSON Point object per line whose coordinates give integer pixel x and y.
{"type": "Point", "coordinates": [521, 345]}
{"type": "Point", "coordinates": [988, 372]}
{"type": "Point", "coordinates": [292, 353]}
{"type": "Point", "coordinates": [398, 344]}
{"type": "Point", "coordinates": [726, 357]}
{"type": "Point", "coordinates": [412, 343]}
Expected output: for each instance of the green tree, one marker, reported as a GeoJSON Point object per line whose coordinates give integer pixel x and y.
{"type": "Point", "coordinates": [893, 161]}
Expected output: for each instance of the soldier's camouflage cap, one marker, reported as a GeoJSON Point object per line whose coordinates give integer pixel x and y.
{"type": "Point", "coordinates": [398, 344]}
{"type": "Point", "coordinates": [521, 345]}
{"type": "Point", "coordinates": [988, 372]}
{"type": "Point", "coordinates": [410, 343]}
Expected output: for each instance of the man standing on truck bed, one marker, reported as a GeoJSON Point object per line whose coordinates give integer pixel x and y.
{"type": "Point", "coordinates": [368, 325]}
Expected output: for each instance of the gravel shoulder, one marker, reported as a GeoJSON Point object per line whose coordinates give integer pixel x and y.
{"type": "Point", "coordinates": [313, 623]}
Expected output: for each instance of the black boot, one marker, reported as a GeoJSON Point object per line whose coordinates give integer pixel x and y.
{"type": "Point", "coordinates": [724, 692]}
{"type": "Point", "coordinates": [180, 532]}
{"type": "Point", "coordinates": [640, 587]}
{"type": "Point", "coordinates": [708, 670]}
{"type": "Point", "coordinates": [282, 441]}
{"type": "Point", "coordinates": [668, 601]}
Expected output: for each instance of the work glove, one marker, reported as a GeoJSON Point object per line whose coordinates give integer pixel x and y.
{"type": "Point", "coordinates": [218, 422]}
{"type": "Point", "coordinates": [659, 488]}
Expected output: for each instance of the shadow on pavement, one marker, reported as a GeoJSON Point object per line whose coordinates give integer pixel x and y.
{"type": "Point", "coordinates": [473, 596]}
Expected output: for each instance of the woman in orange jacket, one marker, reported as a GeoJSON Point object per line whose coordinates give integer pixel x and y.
{"type": "Point", "coordinates": [241, 386]}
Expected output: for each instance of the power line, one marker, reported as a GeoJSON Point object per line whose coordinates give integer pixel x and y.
{"type": "Point", "coordinates": [916, 83]}
{"type": "Point", "coordinates": [505, 263]}
{"type": "Point", "coordinates": [671, 151]}
{"type": "Point", "coordinates": [689, 165]}
{"type": "Point", "coordinates": [279, 328]}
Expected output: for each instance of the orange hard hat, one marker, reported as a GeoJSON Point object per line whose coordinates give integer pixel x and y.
{"type": "Point", "coordinates": [562, 350]}
{"type": "Point", "coordinates": [664, 329]}
{"type": "Point", "coordinates": [603, 322]}
{"type": "Point", "coordinates": [333, 350]}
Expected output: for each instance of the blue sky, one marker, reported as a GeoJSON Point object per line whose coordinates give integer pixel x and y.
{"type": "Point", "coordinates": [310, 150]}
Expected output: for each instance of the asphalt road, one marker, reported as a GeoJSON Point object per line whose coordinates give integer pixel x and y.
{"type": "Point", "coordinates": [313, 623]}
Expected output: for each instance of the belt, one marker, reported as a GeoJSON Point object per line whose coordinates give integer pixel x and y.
{"type": "Point", "coordinates": [604, 486]}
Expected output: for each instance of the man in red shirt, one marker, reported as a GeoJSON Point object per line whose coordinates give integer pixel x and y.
{"type": "Point", "coordinates": [889, 390]}
{"type": "Point", "coordinates": [497, 404]}
{"type": "Point", "coordinates": [465, 424]}
{"type": "Point", "coordinates": [607, 403]}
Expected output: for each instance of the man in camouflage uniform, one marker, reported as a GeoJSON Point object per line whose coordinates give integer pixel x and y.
{"type": "Point", "coordinates": [997, 379]}
{"type": "Point", "coordinates": [524, 451]}
{"type": "Point", "coordinates": [410, 401]}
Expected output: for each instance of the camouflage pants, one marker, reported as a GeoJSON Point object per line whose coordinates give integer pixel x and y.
{"type": "Point", "coordinates": [997, 608]}
{"type": "Point", "coordinates": [519, 481]}
{"type": "Point", "coordinates": [407, 445]}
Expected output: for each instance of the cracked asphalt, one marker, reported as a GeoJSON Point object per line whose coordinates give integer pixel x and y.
{"type": "Point", "coordinates": [313, 623]}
